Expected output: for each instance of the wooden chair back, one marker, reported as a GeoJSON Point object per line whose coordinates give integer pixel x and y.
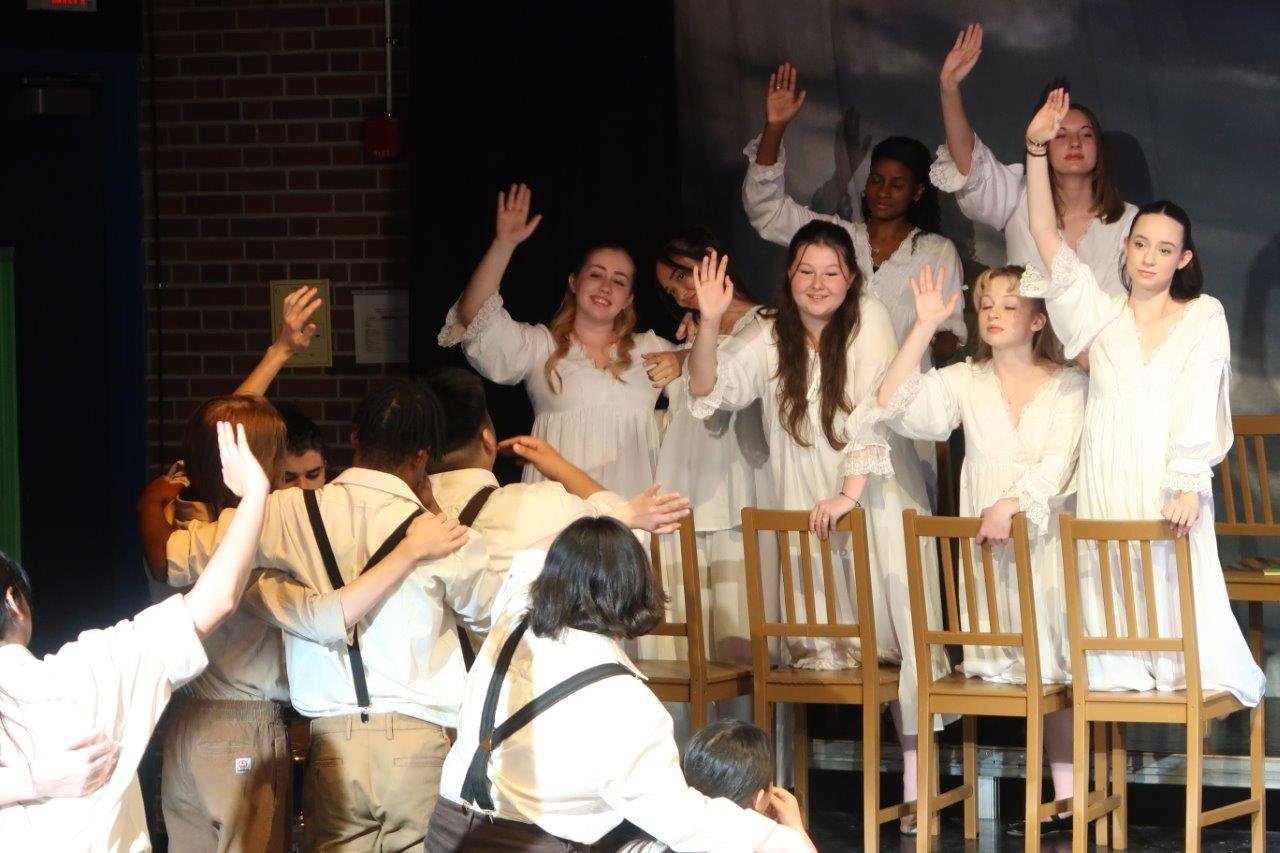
{"type": "Point", "coordinates": [1131, 615]}
{"type": "Point", "coordinates": [690, 595]}
{"type": "Point", "coordinates": [804, 586]}
{"type": "Point", "coordinates": [948, 488]}
{"type": "Point", "coordinates": [970, 589]}
{"type": "Point", "coordinates": [1248, 507]}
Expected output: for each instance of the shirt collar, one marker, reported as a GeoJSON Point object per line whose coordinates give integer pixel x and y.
{"type": "Point", "coordinates": [379, 480]}
{"type": "Point", "coordinates": [462, 478]}
{"type": "Point", "coordinates": [598, 644]}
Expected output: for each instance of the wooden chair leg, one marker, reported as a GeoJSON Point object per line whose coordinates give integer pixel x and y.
{"type": "Point", "coordinates": [1120, 788]}
{"type": "Point", "coordinates": [926, 786]}
{"type": "Point", "coordinates": [697, 709]}
{"type": "Point", "coordinates": [1102, 779]}
{"type": "Point", "coordinates": [935, 779]}
{"type": "Point", "coordinates": [800, 758]}
{"type": "Point", "coordinates": [1035, 779]}
{"type": "Point", "coordinates": [1080, 769]}
{"type": "Point", "coordinates": [969, 733]}
{"type": "Point", "coordinates": [1192, 843]}
{"type": "Point", "coordinates": [1257, 778]}
{"type": "Point", "coordinates": [871, 777]}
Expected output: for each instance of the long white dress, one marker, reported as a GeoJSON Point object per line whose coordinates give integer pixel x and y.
{"type": "Point", "coordinates": [1035, 462]}
{"type": "Point", "coordinates": [746, 371]}
{"type": "Point", "coordinates": [1152, 429]}
{"type": "Point", "coordinates": [777, 217]}
{"type": "Point", "coordinates": [722, 465]}
{"type": "Point", "coordinates": [604, 425]}
{"type": "Point", "coordinates": [995, 194]}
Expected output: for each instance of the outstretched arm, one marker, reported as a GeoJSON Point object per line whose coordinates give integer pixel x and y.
{"type": "Point", "coordinates": [296, 332]}
{"type": "Point", "coordinates": [959, 62]}
{"type": "Point", "coordinates": [217, 591]}
{"type": "Point", "coordinates": [1043, 219]}
{"type": "Point", "coordinates": [933, 307]}
{"type": "Point", "coordinates": [514, 226]}
{"type": "Point", "coordinates": [549, 463]}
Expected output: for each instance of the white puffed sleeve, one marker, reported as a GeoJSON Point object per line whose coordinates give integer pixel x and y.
{"type": "Point", "coordinates": [989, 193]}
{"type": "Point", "coordinates": [1051, 475]}
{"type": "Point", "coordinates": [949, 259]}
{"type": "Point", "coordinates": [1200, 431]}
{"type": "Point", "coordinates": [874, 346]}
{"type": "Point", "coordinates": [774, 214]}
{"type": "Point", "coordinates": [499, 348]}
{"type": "Point", "coordinates": [1078, 307]}
{"type": "Point", "coordinates": [927, 406]}
{"type": "Point", "coordinates": [742, 372]}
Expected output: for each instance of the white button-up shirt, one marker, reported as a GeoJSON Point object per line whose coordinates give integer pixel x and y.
{"type": "Point", "coordinates": [517, 515]}
{"type": "Point", "coordinates": [117, 681]}
{"type": "Point", "coordinates": [412, 659]}
{"type": "Point", "coordinates": [601, 755]}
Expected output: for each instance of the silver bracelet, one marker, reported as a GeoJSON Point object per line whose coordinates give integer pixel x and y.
{"type": "Point", "coordinates": [857, 504]}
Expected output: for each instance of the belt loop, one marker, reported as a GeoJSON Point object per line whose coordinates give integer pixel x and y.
{"type": "Point", "coordinates": [348, 721]}
{"type": "Point", "coordinates": [391, 724]}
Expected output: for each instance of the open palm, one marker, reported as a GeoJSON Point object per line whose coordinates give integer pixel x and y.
{"type": "Point", "coordinates": [714, 288]}
{"type": "Point", "coordinates": [781, 103]}
{"type": "Point", "coordinates": [963, 56]}
{"type": "Point", "coordinates": [514, 225]}
{"type": "Point", "coordinates": [932, 304]}
{"type": "Point", "coordinates": [1048, 119]}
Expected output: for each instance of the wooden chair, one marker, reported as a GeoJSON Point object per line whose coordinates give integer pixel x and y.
{"type": "Point", "coordinates": [956, 693]}
{"type": "Point", "coordinates": [1244, 517]}
{"type": "Point", "coordinates": [948, 488]}
{"type": "Point", "coordinates": [870, 685]}
{"type": "Point", "coordinates": [696, 679]}
{"type": "Point", "coordinates": [1123, 631]}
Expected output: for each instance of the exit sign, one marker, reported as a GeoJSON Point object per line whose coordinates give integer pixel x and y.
{"type": "Point", "coordinates": [62, 5]}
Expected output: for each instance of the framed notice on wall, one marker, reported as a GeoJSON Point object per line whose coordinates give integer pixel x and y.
{"type": "Point", "coordinates": [320, 353]}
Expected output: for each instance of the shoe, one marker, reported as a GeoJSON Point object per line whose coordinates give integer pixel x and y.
{"type": "Point", "coordinates": [1055, 825]}
{"type": "Point", "coordinates": [907, 824]}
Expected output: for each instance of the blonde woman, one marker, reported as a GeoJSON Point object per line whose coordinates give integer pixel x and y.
{"type": "Point", "coordinates": [593, 395]}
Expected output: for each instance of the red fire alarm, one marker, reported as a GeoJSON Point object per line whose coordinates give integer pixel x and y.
{"type": "Point", "coordinates": [382, 139]}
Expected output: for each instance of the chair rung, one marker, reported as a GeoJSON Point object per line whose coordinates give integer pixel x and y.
{"type": "Point", "coordinates": [1098, 808]}
{"type": "Point", "coordinates": [1130, 644]}
{"type": "Point", "coordinates": [810, 629]}
{"type": "Point", "coordinates": [1227, 812]}
{"type": "Point", "coordinates": [1055, 807]}
{"type": "Point", "coordinates": [889, 813]}
{"type": "Point", "coordinates": [972, 638]}
{"type": "Point", "coordinates": [950, 798]}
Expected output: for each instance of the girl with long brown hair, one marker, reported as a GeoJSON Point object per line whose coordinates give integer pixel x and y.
{"type": "Point", "coordinates": [1022, 411]}
{"type": "Point", "coordinates": [821, 351]}
{"type": "Point", "coordinates": [1091, 215]}
{"type": "Point", "coordinates": [592, 397]}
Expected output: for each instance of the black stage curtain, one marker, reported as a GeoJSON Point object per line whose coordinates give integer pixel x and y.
{"type": "Point", "coordinates": [575, 99]}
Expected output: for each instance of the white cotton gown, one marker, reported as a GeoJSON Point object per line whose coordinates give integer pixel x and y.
{"type": "Point", "coordinates": [1035, 462]}
{"type": "Point", "coordinates": [1153, 429]}
{"type": "Point", "coordinates": [746, 372]}
{"type": "Point", "coordinates": [722, 465]}
{"type": "Point", "coordinates": [604, 425]}
{"type": "Point", "coordinates": [995, 194]}
{"type": "Point", "coordinates": [777, 217]}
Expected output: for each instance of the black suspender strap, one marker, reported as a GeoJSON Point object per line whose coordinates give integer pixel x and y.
{"type": "Point", "coordinates": [475, 788]}
{"type": "Point", "coordinates": [467, 517]}
{"type": "Point", "coordinates": [336, 581]}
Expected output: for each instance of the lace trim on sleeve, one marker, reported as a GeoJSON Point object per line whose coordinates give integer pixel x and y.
{"type": "Point", "coordinates": [1033, 500]}
{"type": "Point", "coordinates": [706, 406]}
{"type": "Point", "coordinates": [944, 175]}
{"type": "Point", "coordinates": [870, 459]}
{"type": "Point", "coordinates": [1064, 272]}
{"type": "Point", "coordinates": [1180, 481]}
{"type": "Point", "coordinates": [454, 333]}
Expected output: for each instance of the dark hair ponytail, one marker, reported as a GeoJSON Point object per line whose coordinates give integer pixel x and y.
{"type": "Point", "coordinates": [12, 577]}
{"type": "Point", "coordinates": [1188, 282]}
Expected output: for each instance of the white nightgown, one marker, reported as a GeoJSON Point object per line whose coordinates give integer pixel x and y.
{"type": "Point", "coordinates": [777, 217]}
{"type": "Point", "coordinates": [604, 425]}
{"type": "Point", "coordinates": [745, 372]}
{"type": "Point", "coordinates": [1034, 462]}
{"type": "Point", "coordinates": [722, 465]}
{"type": "Point", "coordinates": [1152, 429]}
{"type": "Point", "coordinates": [996, 195]}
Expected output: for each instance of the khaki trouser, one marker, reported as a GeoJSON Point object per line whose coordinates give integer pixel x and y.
{"type": "Point", "coordinates": [371, 786]}
{"type": "Point", "coordinates": [226, 782]}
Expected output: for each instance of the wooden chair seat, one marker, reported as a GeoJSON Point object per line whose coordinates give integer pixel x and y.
{"type": "Point", "coordinates": [788, 675]}
{"type": "Point", "coordinates": [677, 672]}
{"type": "Point", "coordinates": [1254, 564]}
{"type": "Point", "coordinates": [959, 684]}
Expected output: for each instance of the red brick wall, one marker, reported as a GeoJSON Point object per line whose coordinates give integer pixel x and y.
{"type": "Point", "coordinates": [262, 175]}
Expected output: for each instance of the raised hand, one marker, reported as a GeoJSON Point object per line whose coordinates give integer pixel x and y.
{"type": "Point", "coordinates": [296, 331]}
{"type": "Point", "coordinates": [1045, 123]}
{"type": "Point", "coordinates": [783, 807]}
{"type": "Point", "coordinates": [514, 225]}
{"type": "Point", "coordinates": [714, 288]}
{"type": "Point", "coordinates": [241, 470]}
{"type": "Point", "coordinates": [963, 56]}
{"type": "Point", "coordinates": [932, 305]}
{"type": "Point", "coordinates": [781, 103]}
{"type": "Point", "coordinates": [432, 536]}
